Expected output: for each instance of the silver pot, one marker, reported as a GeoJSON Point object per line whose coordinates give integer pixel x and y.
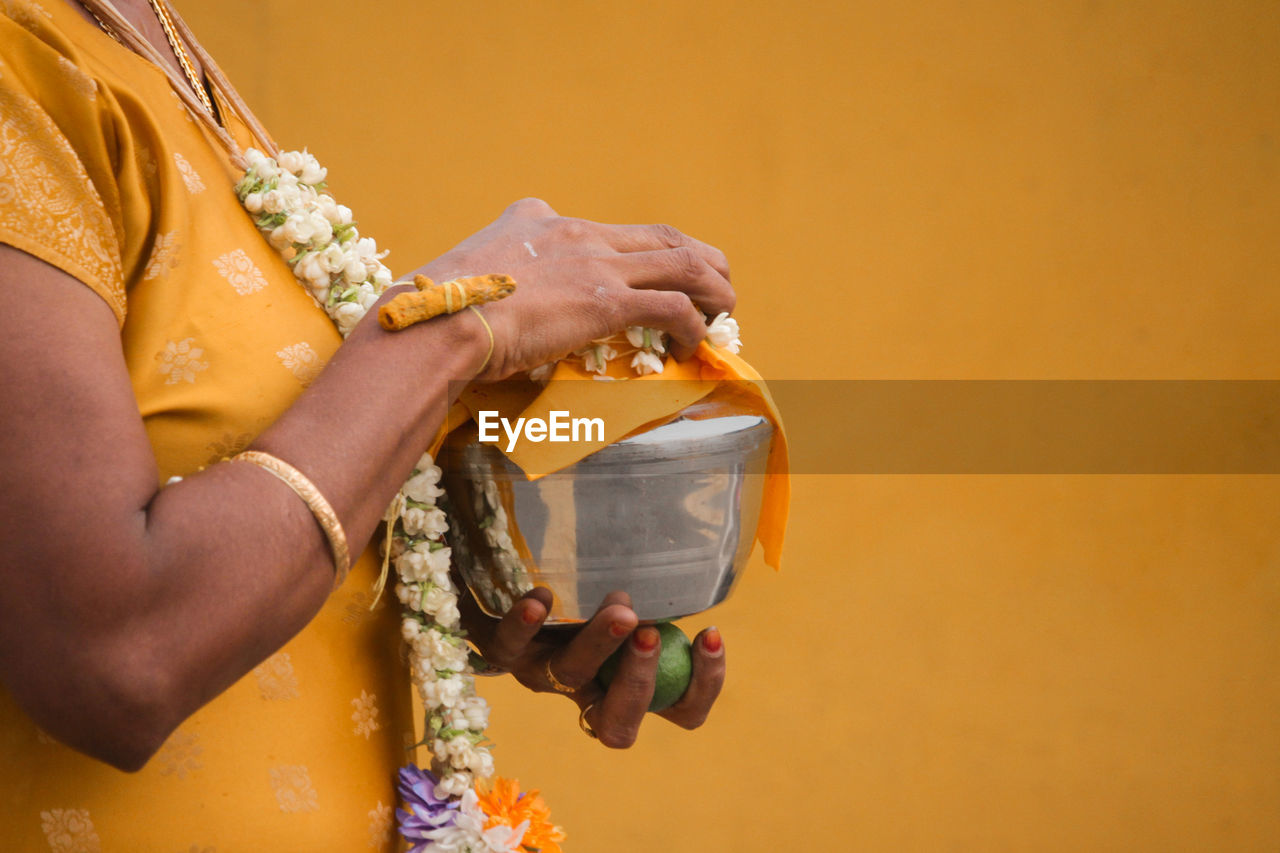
{"type": "Point", "coordinates": [668, 516]}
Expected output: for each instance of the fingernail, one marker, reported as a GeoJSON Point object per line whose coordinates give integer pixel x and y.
{"type": "Point", "coordinates": [530, 615]}
{"type": "Point", "coordinates": [645, 641]}
{"type": "Point", "coordinates": [619, 630]}
{"type": "Point", "coordinates": [711, 641]}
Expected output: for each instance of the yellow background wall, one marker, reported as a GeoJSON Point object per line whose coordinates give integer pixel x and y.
{"type": "Point", "coordinates": [1070, 189]}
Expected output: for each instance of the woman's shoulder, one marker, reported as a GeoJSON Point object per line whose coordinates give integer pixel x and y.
{"type": "Point", "coordinates": [57, 184]}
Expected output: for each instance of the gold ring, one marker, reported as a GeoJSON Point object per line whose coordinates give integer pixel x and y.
{"type": "Point", "coordinates": [584, 725]}
{"type": "Point", "coordinates": [556, 684]}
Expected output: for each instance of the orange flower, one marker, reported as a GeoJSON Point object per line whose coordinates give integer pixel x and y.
{"type": "Point", "coordinates": [504, 805]}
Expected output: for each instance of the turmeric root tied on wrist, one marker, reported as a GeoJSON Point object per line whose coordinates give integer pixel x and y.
{"type": "Point", "coordinates": [432, 300]}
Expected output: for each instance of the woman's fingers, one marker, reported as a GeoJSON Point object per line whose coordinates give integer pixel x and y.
{"type": "Point", "coordinates": [680, 269]}
{"type": "Point", "coordinates": [651, 238]}
{"type": "Point", "coordinates": [704, 686]}
{"type": "Point", "coordinates": [616, 716]}
{"type": "Point", "coordinates": [518, 627]}
{"type": "Point", "coordinates": [576, 664]}
{"type": "Point", "coordinates": [673, 312]}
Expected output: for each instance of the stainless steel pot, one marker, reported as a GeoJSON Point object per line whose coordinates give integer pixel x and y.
{"type": "Point", "coordinates": [668, 515]}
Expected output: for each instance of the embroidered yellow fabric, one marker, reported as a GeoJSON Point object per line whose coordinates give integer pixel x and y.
{"type": "Point", "coordinates": [103, 174]}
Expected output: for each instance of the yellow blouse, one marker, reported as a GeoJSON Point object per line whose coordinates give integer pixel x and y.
{"type": "Point", "coordinates": [104, 174]}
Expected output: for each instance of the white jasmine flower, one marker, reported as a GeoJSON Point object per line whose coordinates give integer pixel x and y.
{"type": "Point", "coordinates": [596, 357]}
{"type": "Point", "coordinates": [422, 486]}
{"type": "Point", "coordinates": [476, 712]}
{"type": "Point", "coordinates": [440, 578]}
{"type": "Point", "coordinates": [367, 296]}
{"type": "Point", "coordinates": [318, 288]}
{"type": "Point", "coordinates": [273, 201]}
{"type": "Point", "coordinates": [253, 203]}
{"type": "Point", "coordinates": [428, 566]}
{"type": "Point", "coordinates": [723, 333]}
{"type": "Point", "coordinates": [412, 566]}
{"type": "Point", "coordinates": [436, 600]}
{"type": "Point", "coordinates": [635, 335]}
{"type": "Point", "coordinates": [355, 271]}
{"type": "Point", "coordinates": [454, 718]}
{"type": "Point", "coordinates": [423, 522]}
{"type": "Point", "coordinates": [298, 228]}
{"type": "Point", "coordinates": [347, 315]}
{"type": "Point", "coordinates": [645, 362]}
{"type": "Point", "coordinates": [321, 230]}
{"type": "Point", "coordinates": [443, 692]}
{"type": "Point", "coordinates": [382, 278]}
{"type": "Point", "coordinates": [456, 785]}
{"type": "Point", "coordinates": [459, 745]}
{"type": "Point", "coordinates": [328, 208]}
{"type": "Point", "coordinates": [435, 558]}
{"type": "Point", "coordinates": [266, 169]}
{"type": "Point", "coordinates": [290, 161]}
{"type": "Point", "coordinates": [448, 616]}
{"type": "Point", "coordinates": [438, 563]}
{"type": "Point", "coordinates": [278, 239]}
{"type": "Point", "coordinates": [542, 373]}
{"type": "Point", "coordinates": [253, 157]}
{"type": "Point", "coordinates": [436, 650]}
{"type": "Point", "coordinates": [422, 673]}
{"type": "Point", "coordinates": [311, 171]}
{"type": "Point", "coordinates": [410, 628]}
{"type": "Point", "coordinates": [410, 595]}
{"type": "Point", "coordinates": [333, 258]}
{"type": "Point", "coordinates": [483, 765]}
{"type": "Point", "coordinates": [311, 267]}
{"type": "Point", "coordinates": [366, 249]}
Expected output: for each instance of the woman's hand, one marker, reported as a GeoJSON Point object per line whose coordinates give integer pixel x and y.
{"type": "Point", "coordinates": [579, 281]}
{"type": "Point", "coordinates": [518, 643]}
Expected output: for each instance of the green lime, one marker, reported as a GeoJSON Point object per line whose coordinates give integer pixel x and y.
{"type": "Point", "coordinates": [675, 667]}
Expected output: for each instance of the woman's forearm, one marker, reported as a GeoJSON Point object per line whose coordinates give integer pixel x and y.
{"type": "Point", "coordinates": [133, 607]}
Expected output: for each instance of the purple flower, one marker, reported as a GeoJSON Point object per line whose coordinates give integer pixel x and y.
{"type": "Point", "coordinates": [426, 811]}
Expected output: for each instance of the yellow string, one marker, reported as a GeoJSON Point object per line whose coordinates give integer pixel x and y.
{"type": "Point", "coordinates": [488, 329]}
{"type": "Point", "coordinates": [392, 514]}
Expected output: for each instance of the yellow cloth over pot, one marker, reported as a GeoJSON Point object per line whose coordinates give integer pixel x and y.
{"type": "Point", "coordinates": [629, 404]}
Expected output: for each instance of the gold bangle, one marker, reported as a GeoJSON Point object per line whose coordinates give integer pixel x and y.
{"type": "Point", "coordinates": [320, 508]}
{"type": "Point", "coordinates": [488, 329]}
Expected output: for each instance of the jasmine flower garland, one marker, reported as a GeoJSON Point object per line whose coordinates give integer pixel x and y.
{"type": "Point", "coordinates": [450, 806]}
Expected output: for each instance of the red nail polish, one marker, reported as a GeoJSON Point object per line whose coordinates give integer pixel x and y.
{"type": "Point", "coordinates": [529, 616]}
{"type": "Point", "coordinates": [711, 641]}
{"type": "Point", "coordinates": [619, 630]}
{"type": "Point", "coordinates": [645, 639]}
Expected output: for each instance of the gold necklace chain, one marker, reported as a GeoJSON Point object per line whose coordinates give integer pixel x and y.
{"type": "Point", "coordinates": [181, 52]}
{"type": "Point", "coordinates": [171, 33]}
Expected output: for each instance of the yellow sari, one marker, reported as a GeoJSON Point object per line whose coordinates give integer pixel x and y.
{"type": "Point", "coordinates": [105, 174]}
